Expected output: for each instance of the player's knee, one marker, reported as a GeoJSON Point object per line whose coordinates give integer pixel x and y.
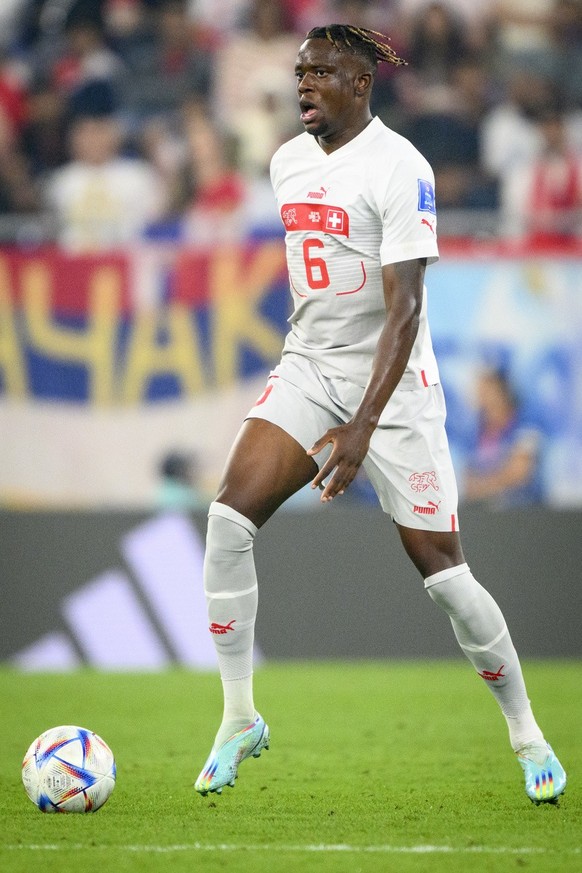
{"type": "Point", "coordinates": [229, 539]}
{"type": "Point", "coordinates": [431, 551]}
{"type": "Point", "coordinates": [229, 528]}
{"type": "Point", "coordinates": [452, 588]}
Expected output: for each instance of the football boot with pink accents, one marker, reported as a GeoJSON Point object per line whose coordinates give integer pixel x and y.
{"type": "Point", "coordinates": [222, 765]}
{"type": "Point", "coordinates": [545, 778]}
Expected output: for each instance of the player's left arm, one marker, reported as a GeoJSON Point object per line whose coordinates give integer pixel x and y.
{"type": "Point", "coordinates": [403, 293]}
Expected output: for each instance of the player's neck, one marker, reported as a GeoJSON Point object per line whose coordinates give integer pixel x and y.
{"type": "Point", "coordinates": [335, 141]}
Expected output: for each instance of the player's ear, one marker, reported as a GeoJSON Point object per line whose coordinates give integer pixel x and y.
{"type": "Point", "coordinates": [363, 84]}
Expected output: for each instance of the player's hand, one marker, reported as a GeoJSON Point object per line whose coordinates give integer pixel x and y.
{"type": "Point", "coordinates": [350, 445]}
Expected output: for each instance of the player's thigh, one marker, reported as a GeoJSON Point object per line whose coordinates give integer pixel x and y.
{"type": "Point", "coordinates": [268, 462]}
{"type": "Point", "coordinates": [409, 462]}
{"type": "Point", "coordinates": [265, 467]}
{"type": "Point", "coordinates": [431, 551]}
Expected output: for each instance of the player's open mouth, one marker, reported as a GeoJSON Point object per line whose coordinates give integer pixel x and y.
{"type": "Point", "coordinates": [308, 112]}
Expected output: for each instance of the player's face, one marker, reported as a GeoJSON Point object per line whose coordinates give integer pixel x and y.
{"type": "Point", "coordinates": [333, 90]}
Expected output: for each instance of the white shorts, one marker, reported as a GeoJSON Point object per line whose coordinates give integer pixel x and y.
{"type": "Point", "coordinates": [408, 462]}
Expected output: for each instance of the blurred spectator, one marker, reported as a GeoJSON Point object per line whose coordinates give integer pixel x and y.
{"type": "Point", "coordinates": [101, 199]}
{"type": "Point", "coordinates": [264, 51]}
{"type": "Point", "coordinates": [448, 135]}
{"type": "Point", "coordinates": [10, 11]}
{"type": "Point", "coordinates": [162, 144]}
{"type": "Point", "coordinates": [503, 469]}
{"type": "Point", "coordinates": [542, 197]}
{"type": "Point", "coordinates": [215, 18]}
{"type": "Point", "coordinates": [476, 18]}
{"type": "Point", "coordinates": [543, 38]}
{"type": "Point", "coordinates": [444, 95]}
{"type": "Point", "coordinates": [478, 75]}
{"type": "Point", "coordinates": [179, 487]}
{"type": "Point", "coordinates": [166, 65]}
{"type": "Point", "coordinates": [303, 15]}
{"type": "Point", "coordinates": [18, 193]}
{"type": "Point", "coordinates": [523, 33]}
{"type": "Point", "coordinates": [473, 88]}
{"type": "Point", "coordinates": [373, 14]}
{"type": "Point", "coordinates": [44, 138]}
{"type": "Point", "coordinates": [41, 26]}
{"type": "Point", "coordinates": [86, 57]}
{"type": "Point", "coordinates": [210, 192]}
{"type": "Point", "coordinates": [566, 51]}
{"type": "Point", "coordinates": [444, 137]}
{"type": "Point", "coordinates": [125, 22]}
{"type": "Point", "coordinates": [509, 133]}
{"type": "Point", "coordinates": [131, 27]}
{"type": "Point", "coordinates": [263, 125]}
{"type": "Point", "coordinates": [437, 42]}
{"type": "Point", "coordinates": [12, 95]}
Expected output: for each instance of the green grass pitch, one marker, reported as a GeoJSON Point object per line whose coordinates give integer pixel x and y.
{"type": "Point", "coordinates": [373, 766]}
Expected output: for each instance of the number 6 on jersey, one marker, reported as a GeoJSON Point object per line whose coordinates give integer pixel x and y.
{"type": "Point", "coordinates": [315, 268]}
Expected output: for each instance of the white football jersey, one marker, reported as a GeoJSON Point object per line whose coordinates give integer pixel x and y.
{"type": "Point", "coordinates": [369, 203]}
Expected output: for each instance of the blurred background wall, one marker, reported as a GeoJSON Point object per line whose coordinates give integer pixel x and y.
{"type": "Point", "coordinates": [124, 590]}
{"type": "Point", "coordinates": [144, 298]}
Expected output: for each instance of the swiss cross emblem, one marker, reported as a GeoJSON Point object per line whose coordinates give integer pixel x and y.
{"type": "Point", "coordinates": [314, 216]}
{"type": "Point", "coordinates": [335, 220]}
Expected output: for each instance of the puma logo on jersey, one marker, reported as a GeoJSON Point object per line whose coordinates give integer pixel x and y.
{"type": "Point", "coordinates": [428, 223]}
{"type": "Point", "coordinates": [318, 195]}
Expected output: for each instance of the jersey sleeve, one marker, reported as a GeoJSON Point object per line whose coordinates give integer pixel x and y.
{"type": "Point", "coordinates": [406, 201]}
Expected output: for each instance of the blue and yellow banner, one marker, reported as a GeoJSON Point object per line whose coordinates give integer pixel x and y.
{"type": "Point", "coordinates": [141, 326]}
{"type": "Point", "coordinates": [163, 346]}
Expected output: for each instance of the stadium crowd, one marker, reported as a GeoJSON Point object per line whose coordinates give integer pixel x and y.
{"type": "Point", "coordinates": [125, 119]}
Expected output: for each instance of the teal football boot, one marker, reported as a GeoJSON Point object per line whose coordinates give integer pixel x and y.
{"type": "Point", "coordinates": [545, 778]}
{"type": "Point", "coordinates": [222, 764]}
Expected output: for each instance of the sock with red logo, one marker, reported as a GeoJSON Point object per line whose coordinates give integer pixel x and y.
{"type": "Point", "coordinates": [230, 585]}
{"type": "Point", "coordinates": [482, 634]}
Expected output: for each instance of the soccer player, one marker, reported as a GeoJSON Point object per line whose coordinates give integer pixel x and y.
{"type": "Point", "coordinates": [357, 385]}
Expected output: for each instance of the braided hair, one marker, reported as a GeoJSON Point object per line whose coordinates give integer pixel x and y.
{"type": "Point", "coordinates": [369, 44]}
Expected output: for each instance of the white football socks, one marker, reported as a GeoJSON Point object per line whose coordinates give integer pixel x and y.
{"type": "Point", "coordinates": [481, 632]}
{"type": "Point", "coordinates": [230, 585]}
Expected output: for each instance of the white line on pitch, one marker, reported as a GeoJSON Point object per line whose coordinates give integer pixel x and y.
{"type": "Point", "coordinates": [308, 848]}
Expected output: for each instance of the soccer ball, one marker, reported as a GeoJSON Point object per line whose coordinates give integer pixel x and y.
{"type": "Point", "coordinates": [68, 769]}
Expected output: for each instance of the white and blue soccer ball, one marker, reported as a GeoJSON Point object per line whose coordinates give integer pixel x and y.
{"type": "Point", "coordinates": [69, 769]}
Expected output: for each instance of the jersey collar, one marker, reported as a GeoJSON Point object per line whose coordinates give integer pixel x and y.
{"type": "Point", "coordinates": [359, 141]}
